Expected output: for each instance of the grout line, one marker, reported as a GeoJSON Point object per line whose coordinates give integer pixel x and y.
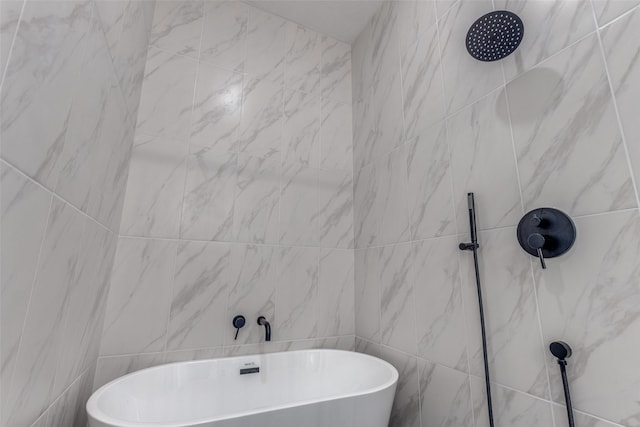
{"type": "Point", "coordinates": [3, 73]}
{"type": "Point", "coordinates": [33, 285]}
{"type": "Point", "coordinates": [614, 100]}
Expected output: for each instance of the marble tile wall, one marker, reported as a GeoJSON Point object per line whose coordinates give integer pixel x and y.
{"type": "Point", "coordinates": [71, 78]}
{"type": "Point", "coordinates": [240, 193]}
{"type": "Point", "coordinates": [555, 124]}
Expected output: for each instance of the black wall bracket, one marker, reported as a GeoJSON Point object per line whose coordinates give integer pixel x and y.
{"type": "Point", "coordinates": [546, 233]}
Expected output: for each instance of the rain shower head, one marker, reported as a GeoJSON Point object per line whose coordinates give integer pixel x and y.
{"type": "Point", "coordinates": [495, 35]}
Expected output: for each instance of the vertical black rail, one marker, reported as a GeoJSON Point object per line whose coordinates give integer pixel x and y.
{"type": "Point", "coordinates": [473, 246]}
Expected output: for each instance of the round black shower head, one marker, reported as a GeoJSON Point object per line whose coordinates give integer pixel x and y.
{"type": "Point", "coordinates": [495, 35]}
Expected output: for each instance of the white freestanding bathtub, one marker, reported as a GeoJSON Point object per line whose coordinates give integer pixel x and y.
{"type": "Point", "coordinates": [309, 388]}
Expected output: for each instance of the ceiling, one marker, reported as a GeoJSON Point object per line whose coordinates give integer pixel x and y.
{"type": "Point", "coordinates": [340, 19]}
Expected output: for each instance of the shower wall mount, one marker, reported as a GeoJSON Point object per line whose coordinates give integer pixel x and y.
{"type": "Point", "coordinates": [546, 233]}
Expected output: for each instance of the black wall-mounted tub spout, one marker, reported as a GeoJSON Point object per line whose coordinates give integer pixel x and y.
{"type": "Point", "coordinates": [262, 321]}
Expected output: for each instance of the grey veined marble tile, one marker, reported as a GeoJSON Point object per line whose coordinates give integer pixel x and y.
{"type": "Point", "coordinates": [9, 15]}
{"type": "Point", "coordinates": [622, 52]}
{"type": "Point", "coordinates": [590, 298]}
{"type": "Point", "coordinates": [606, 10]}
{"type": "Point", "coordinates": [440, 327]}
{"type": "Point", "coordinates": [177, 26]}
{"type": "Point", "coordinates": [515, 347]}
{"type": "Point", "coordinates": [42, 338]}
{"type": "Point", "coordinates": [200, 289]}
{"type": "Point", "coordinates": [549, 26]}
{"type": "Point", "coordinates": [135, 323]}
{"type": "Point", "coordinates": [208, 206]}
{"type": "Point", "coordinates": [25, 208]}
{"type": "Point", "coordinates": [167, 95]}
{"type": "Point", "coordinates": [568, 143]}
{"type": "Point", "coordinates": [216, 110]}
{"type": "Point", "coordinates": [335, 293]}
{"type": "Point", "coordinates": [481, 161]}
{"type": "Point", "coordinates": [224, 35]}
{"type": "Point", "coordinates": [39, 85]}
{"type": "Point", "coordinates": [445, 396]}
{"type": "Point", "coordinates": [155, 187]}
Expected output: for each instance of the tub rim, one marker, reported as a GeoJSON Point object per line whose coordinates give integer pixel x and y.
{"type": "Point", "coordinates": [94, 412]}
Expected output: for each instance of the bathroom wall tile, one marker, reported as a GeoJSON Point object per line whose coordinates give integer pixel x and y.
{"type": "Point", "coordinates": [482, 161]}
{"type": "Point", "coordinates": [336, 134]}
{"type": "Point", "coordinates": [335, 293]}
{"type": "Point", "coordinates": [296, 294]}
{"type": "Point", "coordinates": [346, 343]}
{"type": "Point", "coordinates": [364, 133]}
{"type": "Point", "coordinates": [130, 54]}
{"type": "Point", "coordinates": [561, 420]}
{"type": "Point", "coordinates": [367, 294]}
{"type": "Point", "coordinates": [438, 297]}
{"type": "Point", "coordinates": [568, 144]}
{"type": "Point", "coordinates": [302, 63]}
{"type": "Point", "coordinates": [224, 35]}
{"type": "Point", "coordinates": [445, 396]}
{"type": "Point", "coordinates": [336, 70]}
{"type": "Point", "coordinates": [252, 291]}
{"type": "Point", "coordinates": [299, 210]}
{"type": "Point", "coordinates": [606, 10]}
{"type": "Point", "coordinates": [406, 405]}
{"type": "Point", "coordinates": [135, 323]}
{"type": "Point", "coordinates": [361, 70]}
{"type": "Point", "coordinates": [25, 207]}
{"type": "Point", "coordinates": [385, 54]}
{"type": "Point", "coordinates": [207, 210]}
{"type": "Point", "coordinates": [301, 128]}
{"type": "Point", "coordinates": [200, 289]}
{"type": "Point", "coordinates": [549, 27]}
{"type": "Point", "coordinates": [9, 15]}
{"type": "Point", "coordinates": [429, 177]}
{"type": "Point", "coordinates": [257, 197]}
{"type": "Point", "coordinates": [589, 298]}
{"type": "Point", "coordinates": [397, 298]}
{"type": "Point", "coordinates": [262, 115]}
{"type": "Point", "coordinates": [177, 27]}
{"type": "Point", "coordinates": [217, 107]}
{"type": "Point", "coordinates": [167, 95]}
{"type": "Point", "coordinates": [405, 411]}
{"type": "Point", "coordinates": [114, 152]}
{"type": "Point", "coordinates": [41, 341]}
{"type": "Point", "coordinates": [111, 367]}
{"type": "Point", "coordinates": [79, 161]}
{"type": "Point", "coordinates": [381, 205]}
{"type": "Point", "coordinates": [414, 18]}
{"type": "Point", "coordinates": [189, 355]}
{"type": "Point", "coordinates": [85, 390]}
{"type": "Point", "coordinates": [155, 187]}
{"type": "Point", "coordinates": [465, 80]}
{"type": "Point", "coordinates": [38, 86]}
{"type": "Point", "coordinates": [336, 209]}
{"type": "Point", "coordinates": [62, 411]}
{"type": "Point", "coordinates": [515, 348]}
{"type": "Point", "coordinates": [268, 41]}
{"type": "Point", "coordinates": [387, 115]}
{"type": "Point", "coordinates": [510, 407]}
{"type": "Point", "coordinates": [111, 16]}
{"type": "Point", "coordinates": [87, 298]}
{"type": "Point", "coordinates": [443, 6]}
{"type": "Point", "coordinates": [619, 41]}
{"type": "Point", "coordinates": [423, 100]}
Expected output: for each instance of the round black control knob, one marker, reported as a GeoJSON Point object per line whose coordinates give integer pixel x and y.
{"type": "Point", "coordinates": [239, 321]}
{"type": "Point", "coordinates": [536, 241]}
